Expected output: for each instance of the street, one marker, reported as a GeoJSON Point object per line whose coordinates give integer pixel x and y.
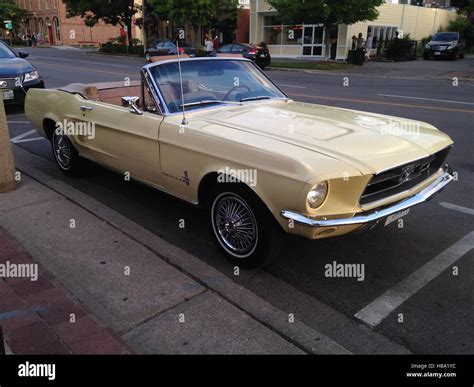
{"type": "Point", "coordinates": [436, 315]}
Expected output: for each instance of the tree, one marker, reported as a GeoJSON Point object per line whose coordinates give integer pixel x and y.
{"type": "Point", "coordinates": [10, 11]}
{"type": "Point", "coordinates": [326, 12]}
{"type": "Point", "coordinates": [115, 12]}
{"type": "Point", "coordinates": [197, 13]}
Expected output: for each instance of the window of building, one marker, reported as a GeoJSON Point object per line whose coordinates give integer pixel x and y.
{"type": "Point", "coordinates": [57, 30]}
{"type": "Point", "coordinates": [39, 5]}
{"type": "Point", "coordinates": [383, 33]}
{"type": "Point", "coordinates": [277, 33]}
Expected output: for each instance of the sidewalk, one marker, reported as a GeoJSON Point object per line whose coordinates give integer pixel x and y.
{"type": "Point", "coordinates": [144, 295]}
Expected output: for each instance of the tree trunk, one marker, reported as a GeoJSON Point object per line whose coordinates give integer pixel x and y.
{"type": "Point", "coordinates": [7, 164]}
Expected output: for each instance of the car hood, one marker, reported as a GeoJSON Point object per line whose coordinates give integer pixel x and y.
{"type": "Point", "coordinates": [441, 42]}
{"type": "Point", "coordinates": [370, 142]}
{"type": "Point", "coordinates": [12, 67]}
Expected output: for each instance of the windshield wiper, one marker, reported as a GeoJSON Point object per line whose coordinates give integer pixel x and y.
{"type": "Point", "coordinates": [260, 97]}
{"type": "Point", "coordinates": [210, 102]}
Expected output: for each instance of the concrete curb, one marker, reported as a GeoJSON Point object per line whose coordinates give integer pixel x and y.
{"type": "Point", "coordinates": [297, 333]}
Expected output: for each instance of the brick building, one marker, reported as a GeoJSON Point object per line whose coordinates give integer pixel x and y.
{"type": "Point", "coordinates": [48, 17]}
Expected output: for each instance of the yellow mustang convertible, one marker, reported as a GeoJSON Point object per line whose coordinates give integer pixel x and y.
{"type": "Point", "coordinates": [218, 133]}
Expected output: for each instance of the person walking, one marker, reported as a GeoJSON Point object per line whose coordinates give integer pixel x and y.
{"type": "Point", "coordinates": [209, 45]}
{"type": "Point", "coordinates": [368, 46]}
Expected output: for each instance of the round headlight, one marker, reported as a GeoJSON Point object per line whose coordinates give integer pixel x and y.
{"type": "Point", "coordinates": [317, 195]}
{"type": "Point", "coordinates": [428, 46]}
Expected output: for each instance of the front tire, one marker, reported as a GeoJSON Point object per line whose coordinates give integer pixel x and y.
{"type": "Point", "coordinates": [66, 156]}
{"type": "Point", "coordinates": [244, 229]}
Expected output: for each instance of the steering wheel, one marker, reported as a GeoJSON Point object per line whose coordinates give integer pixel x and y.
{"type": "Point", "coordinates": [233, 89]}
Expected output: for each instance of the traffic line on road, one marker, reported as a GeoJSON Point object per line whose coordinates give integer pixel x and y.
{"type": "Point", "coordinates": [426, 99]}
{"type": "Point", "coordinates": [18, 122]}
{"type": "Point", "coordinates": [88, 69]}
{"type": "Point", "coordinates": [374, 313]}
{"type": "Point", "coordinates": [21, 138]}
{"type": "Point", "coordinates": [455, 207]}
{"type": "Point", "coordinates": [78, 61]}
{"type": "Point", "coordinates": [293, 86]}
{"type": "Point", "coordinates": [368, 101]}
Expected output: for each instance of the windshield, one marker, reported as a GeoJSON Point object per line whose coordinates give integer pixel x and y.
{"type": "Point", "coordinates": [5, 52]}
{"type": "Point", "coordinates": [446, 37]}
{"type": "Point", "coordinates": [207, 82]}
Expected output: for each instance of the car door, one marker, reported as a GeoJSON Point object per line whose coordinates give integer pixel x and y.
{"type": "Point", "coordinates": [122, 140]}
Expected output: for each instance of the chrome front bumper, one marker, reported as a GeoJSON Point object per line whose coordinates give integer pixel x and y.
{"type": "Point", "coordinates": [376, 215]}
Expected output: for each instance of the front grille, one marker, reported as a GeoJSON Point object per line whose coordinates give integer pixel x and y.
{"type": "Point", "coordinates": [402, 178]}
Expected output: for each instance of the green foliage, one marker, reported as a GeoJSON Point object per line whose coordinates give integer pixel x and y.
{"type": "Point", "coordinates": [116, 48]}
{"type": "Point", "coordinates": [113, 12]}
{"type": "Point", "coordinates": [198, 13]}
{"type": "Point", "coordinates": [10, 11]}
{"type": "Point", "coordinates": [401, 49]}
{"type": "Point", "coordinates": [327, 12]}
{"type": "Point", "coordinates": [465, 28]}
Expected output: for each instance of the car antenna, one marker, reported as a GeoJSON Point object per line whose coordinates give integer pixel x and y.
{"type": "Point", "coordinates": [184, 122]}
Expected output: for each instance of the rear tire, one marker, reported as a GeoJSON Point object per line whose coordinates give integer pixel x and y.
{"type": "Point", "coordinates": [242, 226]}
{"type": "Point", "coordinates": [66, 156]}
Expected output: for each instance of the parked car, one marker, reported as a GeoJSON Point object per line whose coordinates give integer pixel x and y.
{"type": "Point", "coordinates": [445, 44]}
{"type": "Point", "coordinates": [226, 138]}
{"type": "Point", "coordinates": [17, 76]}
{"type": "Point", "coordinates": [168, 47]}
{"type": "Point", "coordinates": [260, 55]}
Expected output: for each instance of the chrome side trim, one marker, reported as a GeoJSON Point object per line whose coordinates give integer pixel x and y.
{"type": "Point", "coordinates": [376, 215]}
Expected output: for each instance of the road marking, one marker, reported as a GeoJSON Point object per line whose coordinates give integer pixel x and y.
{"type": "Point", "coordinates": [88, 69]}
{"type": "Point", "coordinates": [21, 136]}
{"type": "Point", "coordinates": [455, 207]}
{"type": "Point", "coordinates": [18, 122]}
{"type": "Point", "coordinates": [381, 103]}
{"type": "Point", "coordinates": [294, 86]}
{"type": "Point", "coordinates": [30, 140]}
{"type": "Point", "coordinates": [426, 99]}
{"type": "Point", "coordinates": [374, 313]}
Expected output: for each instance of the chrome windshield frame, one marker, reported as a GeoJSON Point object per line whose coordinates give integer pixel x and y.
{"type": "Point", "coordinates": [147, 70]}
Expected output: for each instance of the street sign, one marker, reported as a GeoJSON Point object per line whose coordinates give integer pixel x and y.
{"type": "Point", "coordinates": [8, 24]}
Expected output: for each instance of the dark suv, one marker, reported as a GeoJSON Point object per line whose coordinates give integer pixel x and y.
{"type": "Point", "coordinates": [445, 44]}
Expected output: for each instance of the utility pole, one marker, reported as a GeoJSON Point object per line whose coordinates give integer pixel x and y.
{"type": "Point", "coordinates": [7, 164]}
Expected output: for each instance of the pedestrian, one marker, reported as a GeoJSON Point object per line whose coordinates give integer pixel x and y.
{"type": "Point", "coordinates": [216, 44]}
{"type": "Point", "coordinates": [368, 46]}
{"type": "Point", "coordinates": [354, 42]}
{"type": "Point", "coordinates": [360, 42]}
{"type": "Point", "coordinates": [33, 40]}
{"type": "Point", "coordinates": [209, 45]}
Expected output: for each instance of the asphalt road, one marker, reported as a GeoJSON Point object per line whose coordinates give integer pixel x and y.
{"type": "Point", "coordinates": [437, 318]}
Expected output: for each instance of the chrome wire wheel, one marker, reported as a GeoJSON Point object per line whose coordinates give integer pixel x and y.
{"type": "Point", "coordinates": [234, 225]}
{"type": "Point", "coordinates": [62, 150]}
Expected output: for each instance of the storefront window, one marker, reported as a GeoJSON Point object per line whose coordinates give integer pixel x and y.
{"type": "Point", "coordinates": [57, 30]}
{"type": "Point", "coordinates": [276, 33]}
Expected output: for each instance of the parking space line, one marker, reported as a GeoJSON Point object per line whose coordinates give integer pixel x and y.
{"type": "Point", "coordinates": [293, 86]}
{"type": "Point", "coordinates": [29, 140]}
{"type": "Point", "coordinates": [374, 313]}
{"type": "Point", "coordinates": [455, 207]}
{"type": "Point", "coordinates": [21, 136]}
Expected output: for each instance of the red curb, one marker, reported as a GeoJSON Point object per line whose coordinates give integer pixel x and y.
{"type": "Point", "coordinates": [36, 316]}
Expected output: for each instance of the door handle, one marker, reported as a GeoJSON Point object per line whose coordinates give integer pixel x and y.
{"type": "Point", "coordinates": [86, 108]}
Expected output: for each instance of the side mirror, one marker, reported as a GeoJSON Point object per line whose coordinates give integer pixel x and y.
{"type": "Point", "coordinates": [23, 54]}
{"type": "Point", "coordinates": [132, 103]}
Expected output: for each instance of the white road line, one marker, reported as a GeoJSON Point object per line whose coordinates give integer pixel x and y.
{"type": "Point", "coordinates": [21, 136]}
{"type": "Point", "coordinates": [296, 87]}
{"type": "Point", "coordinates": [30, 140]}
{"type": "Point", "coordinates": [426, 99]}
{"type": "Point", "coordinates": [374, 313]}
{"type": "Point", "coordinates": [455, 207]}
{"type": "Point", "coordinates": [18, 122]}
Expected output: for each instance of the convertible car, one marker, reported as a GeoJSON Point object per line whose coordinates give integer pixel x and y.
{"type": "Point", "coordinates": [218, 133]}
